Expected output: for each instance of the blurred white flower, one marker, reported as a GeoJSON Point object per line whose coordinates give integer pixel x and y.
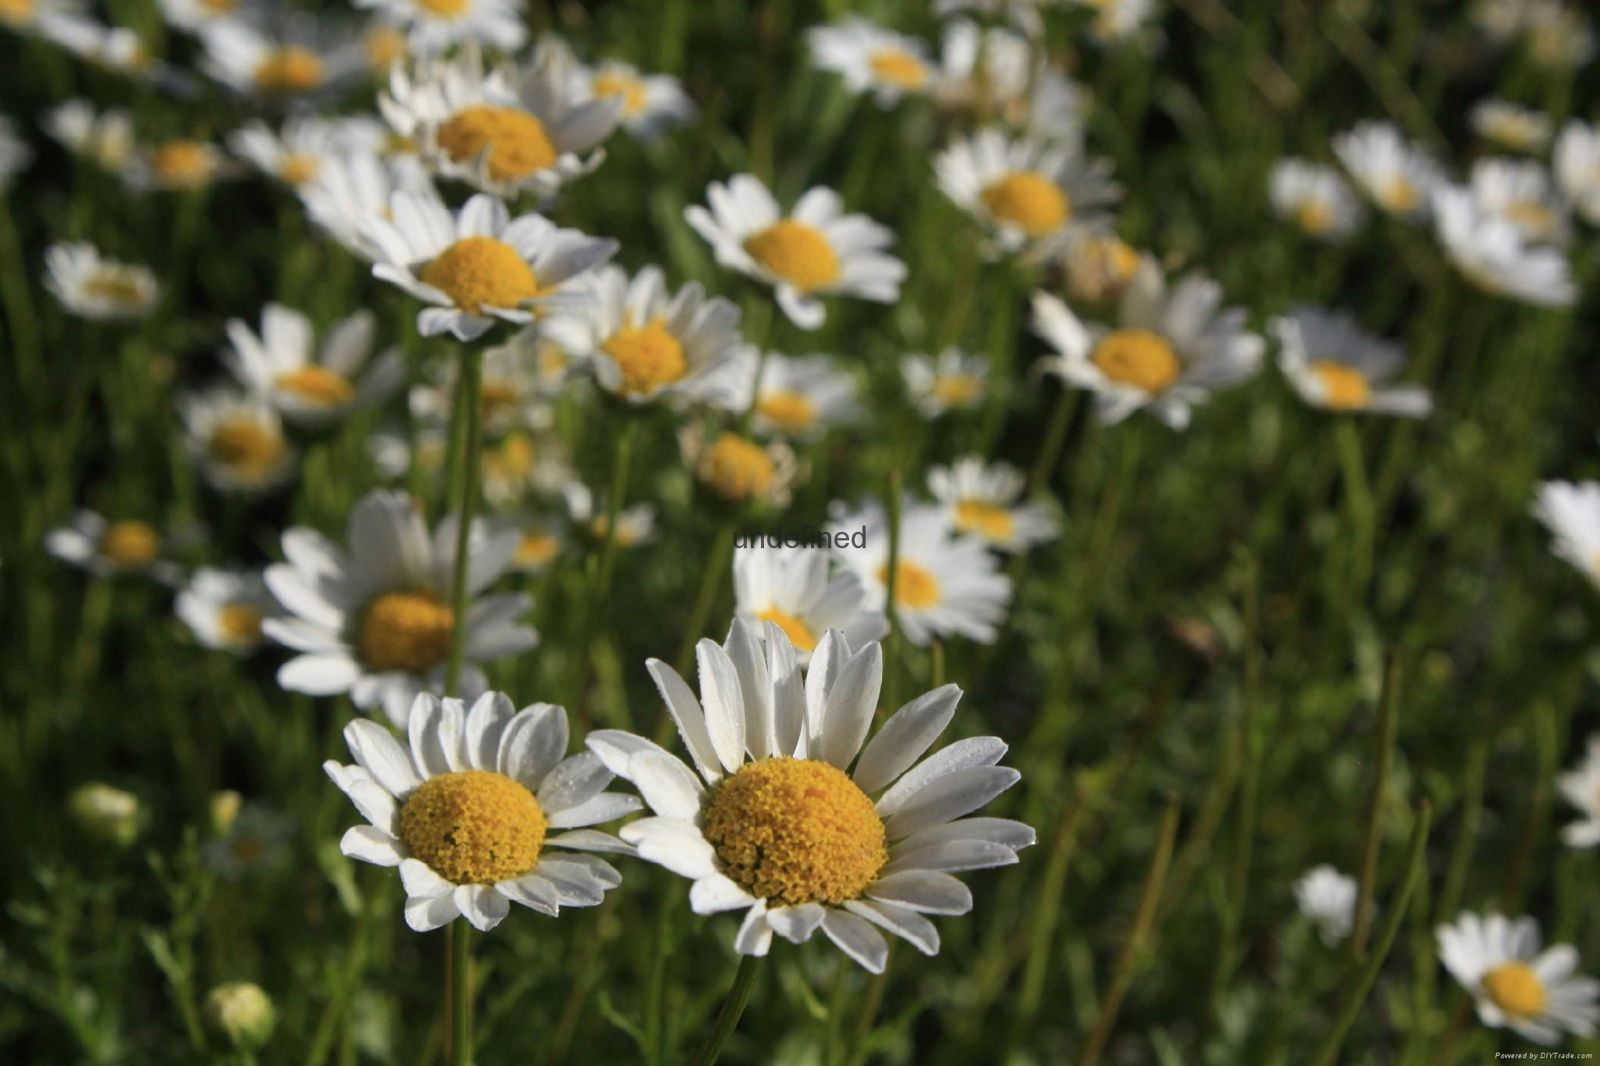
{"type": "Point", "coordinates": [984, 500]}
{"type": "Point", "coordinates": [1521, 192]}
{"type": "Point", "coordinates": [1315, 198]}
{"type": "Point", "coordinates": [870, 58]}
{"type": "Point", "coordinates": [1511, 126]}
{"type": "Point", "coordinates": [1333, 363]}
{"type": "Point", "coordinates": [1572, 514]}
{"type": "Point", "coordinates": [224, 609]}
{"type": "Point", "coordinates": [238, 441]}
{"type": "Point", "coordinates": [435, 26]}
{"type": "Point", "coordinates": [1513, 984]}
{"type": "Point", "coordinates": [98, 288]}
{"type": "Point", "coordinates": [1577, 167]}
{"type": "Point", "coordinates": [1397, 176]}
{"type": "Point", "coordinates": [1580, 787]}
{"type": "Point", "coordinates": [1328, 898]}
{"type": "Point", "coordinates": [105, 139]}
{"type": "Point", "coordinates": [952, 381]}
{"type": "Point", "coordinates": [1492, 253]}
{"type": "Point", "coordinates": [311, 384]}
{"type": "Point", "coordinates": [110, 548]}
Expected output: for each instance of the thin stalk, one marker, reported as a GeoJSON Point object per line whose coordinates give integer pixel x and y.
{"type": "Point", "coordinates": [706, 597]}
{"type": "Point", "coordinates": [470, 411]}
{"type": "Point", "coordinates": [857, 1052]}
{"type": "Point", "coordinates": [732, 1007]}
{"type": "Point", "coordinates": [1455, 878]}
{"type": "Point", "coordinates": [24, 327]}
{"type": "Point", "coordinates": [458, 991]}
{"type": "Point", "coordinates": [1358, 501]}
{"type": "Point", "coordinates": [1546, 745]}
{"type": "Point", "coordinates": [1055, 435]}
{"type": "Point", "coordinates": [600, 575]}
{"type": "Point", "coordinates": [1383, 753]}
{"type": "Point", "coordinates": [1042, 925]}
{"type": "Point", "coordinates": [891, 643]}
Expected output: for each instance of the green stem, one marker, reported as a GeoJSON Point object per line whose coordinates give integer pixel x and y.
{"type": "Point", "coordinates": [600, 577]}
{"type": "Point", "coordinates": [458, 991]}
{"type": "Point", "coordinates": [1055, 435]}
{"type": "Point", "coordinates": [732, 1007]}
{"type": "Point", "coordinates": [1358, 500]}
{"type": "Point", "coordinates": [19, 305]}
{"type": "Point", "coordinates": [469, 410]}
{"type": "Point", "coordinates": [706, 597]}
{"type": "Point", "coordinates": [1383, 752]}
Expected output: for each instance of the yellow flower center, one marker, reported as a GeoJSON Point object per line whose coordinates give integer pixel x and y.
{"type": "Point", "coordinates": [1399, 195]}
{"type": "Point", "coordinates": [299, 168]}
{"type": "Point", "coordinates": [1028, 200]}
{"type": "Point", "coordinates": [1531, 217]}
{"type": "Point", "coordinates": [407, 631]}
{"type": "Point", "coordinates": [445, 9]}
{"type": "Point", "coordinates": [619, 83]}
{"type": "Point", "coordinates": [899, 68]}
{"type": "Point", "coordinates": [1515, 989]}
{"type": "Point", "coordinates": [240, 622]}
{"type": "Point", "coordinates": [291, 69]}
{"type": "Point", "coordinates": [130, 544]}
{"type": "Point", "coordinates": [738, 469]}
{"type": "Point", "coordinates": [17, 12]}
{"type": "Point", "coordinates": [246, 447]}
{"type": "Point", "coordinates": [1314, 216]}
{"type": "Point", "coordinates": [536, 549]}
{"type": "Point", "coordinates": [787, 409]}
{"type": "Point", "coordinates": [985, 519]}
{"type": "Point", "coordinates": [384, 45]}
{"type": "Point", "coordinates": [1136, 357]}
{"type": "Point", "coordinates": [181, 163]}
{"type": "Point", "coordinates": [516, 141]}
{"type": "Point", "coordinates": [796, 831]}
{"type": "Point", "coordinates": [1344, 388]}
{"type": "Point", "coordinates": [317, 386]}
{"type": "Point", "coordinates": [956, 390]}
{"type": "Point", "coordinates": [795, 252]}
{"type": "Point", "coordinates": [115, 286]}
{"type": "Point", "coordinates": [798, 632]}
{"type": "Point", "coordinates": [649, 357]}
{"type": "Point", "coordinates": [479, 272]}
{"type": "Point", "coordinates": [510, 460]}
{"type": "Point", "coordinates": [914, 586]}
{"type": "Point", "coordinates": [473, 827]}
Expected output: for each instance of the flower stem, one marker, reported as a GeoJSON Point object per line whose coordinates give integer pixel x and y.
{"type": "Point", "coordinates": [710, 584]}
{"type": "Point", "coordinates": [1358, 499]}
{"type": "Point", "coordinates": [469, 411]}
{"type": "Point", "coordinates": [732, 1007]}
{"type": "Point", "coordinates": [1383, 752]}
{"type": "Point", "coordinates": [458, 991]}
{"type": "Point", "coordinates": [600, 576]}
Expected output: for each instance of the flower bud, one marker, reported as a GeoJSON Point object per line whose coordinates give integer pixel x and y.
{"type": "Point", "coordinates": [241, 1012]}
{"type": "Point", "coordinates": [106, 812]}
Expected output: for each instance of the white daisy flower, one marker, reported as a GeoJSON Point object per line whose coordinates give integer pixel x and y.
{"type": "Point", "coordinates": [945, 584]}
{"type": "Point", "coordinates": [1335, 364]}
{"type": "Point", "coordinates": [799, 397]}
{"type": "Point", "coordinates": [224, 609]}
{"type": "Point", "coordinates": [253, 63]}
{"type": "Point", "coordinates": [984, 69]}
{"type": "Point", "coordinates": [815, 250]}
{"type": "Point", "coordinates": [1513, 984]}
{"type": "Point", "coordinates": [29, 16]}
{"type": "Point", "coordinates": [468, 807]}
{"type": "Point", "coordinates": [1522, 192]}
{"type": "Point", "coordinates": [651, 103]}
{"type": "Point", "coordinates": [116, 49]}
{"type": "Point", "coordinates": [738, 469]}
{"type": "Point", "coordinates": [1024, 14]}
{"type": "Point", "coordinates": [238, 441]}
{"type": "Point", "coordinates": [1572, 514]}
{"type": "Point", "coordinates": [521, 462]}
{"type": "Point", "coordinates": [1025, 193]}
{"type": "Point", "coordinates": [539, 544]}
{"type": "Point", "coordinates": [1577, 167]}
{"type": "Point", "coordinates": [510, 388]}
{"type": "Point", "coordinates": [98, 288]}
{"type": "Point", "coordinates": [1097, 266]}
{"type": "Point", "coordinates": [1315, 198]}
{"type": "Point", "coordinates": [1511, 126]}
{"type": "Point", "coordinates": [258, 840]}
{"type": "Point", "coordinates": [636, 523]}
{"type": "Point", "coordinates": [176, 166]}
{"type": "Point", "coordinates": [1581, 788]}
{"type": "Point", "coordinates": [1558, 34]}
{"type": "Point", "coordinates": [1397, 176]}
{"type": "Point", "coordinates": [393, 453]}
{"type": "Point", "coordinates": [952, 381]}
{"type": "Point", "coordinates": [15, 153]}
{"type": "Point", "coordinates": [792, 589]}
{"type": "Point", "coordinates": [195, 15]}
{"type": "Point", "coordinates": [870, 58]}
{"type": "Point", "coordinates": [515, 129]}
{"type": "Point", "coordinates": [310, 384]}
{"type": "Point", "coordinates": [1493, 254]}
{"type": "Point", "coordinates": [481, 264]}
{"type": "Point", "coordinates": [105, 139]}
{"type": "Point", "coordinates": [348, 189]}
{"type": "Point", "coordinates": [644, 343]}
{"type": "Point", "coordinates": [1328, 898]}
{"type": "Point", "coordinates": [982, 500]}
{"type": "Point", "coordinates": [376, 620]}
{"type": "Point", "coordinates": [772, 821]}
{"type": "Point", "coordinates": [435, 26]}
{"type": "Point", "coordinates": [306, 144]}
{"type": "Point", "coordinates": [1172, 348]}
{"type": "Point", "coordinates": [1119, 20]}
{"type": "Point", "coordinates": [108, 549]}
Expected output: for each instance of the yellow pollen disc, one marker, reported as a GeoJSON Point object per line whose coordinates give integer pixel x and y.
{"type": "Point", "coordinates": [914, 586]}
{"type": "Point", "coordinates": [1028, 200]}
{"type": "Point", "coordinates": [290, 70]}
{"type": "Point", "coordinates": [616, 83]}
{"type": "Point", "coordinates": [796, 831]}
{"type": "Point", "coordinates": [246, 447]}
{"type": "Point", "coordinates": [1314, 216]}
{"type": "Point", "coordinates": [649, 357]}
{"type": "Point", "coordinates": [1344, 388]}
{"type": "Point", "coordinates": [240, 622]}
{"type": "Point", "coordinates": [299, 168]}
{"type": "Point", "coordinates": [796, 252]}
{"type": "Point", "coordinates": [737, 469]}
{"type": "Point", "coordinates": [787, 409]}
{"type": "Point", "coordinates": [479, 272]}
{"type": "Point", "coordinates": [445, 9]}
{"type": "Point", "coordinates": [956, 390]}
{"type": "Point", "coordinates": [473, 827]}
{"type": "Point", "coordinates": [1398, 195]}
{"type": "Point", "coordinates": [130, 544]}
{"type": "Point", "coordinates": [536, 549]}
{"type": "Point", "coordinates": [985, 519]}
{"type": "Point", "coordinates": [384, 45]}
{"type": "Point", "coordinates": [317, 386]}
{"type": "Point", "coordinates": [798, 632]}
{"type": "Point", "coordinates": [516, 141]}
{"type": "Point", "coordinates": [899, 68]}
{"type": "Point", "coordinates": [407, 631]}
{"type": "Point", "coordinates": [499, 398]}
{"type": "Point", "coordinates": [17, 12]}
{"type": "Point", "coordinates": [1136, 357]}
{"type": "Point", "coordinates": [1515, 989]}
{"type": "Point", "coordinates": [115, 286]}
{"type": "Point", "coordinates": [181, 163]}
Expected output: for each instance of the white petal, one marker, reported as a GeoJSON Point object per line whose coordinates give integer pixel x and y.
{"type": "Point", "coordinates": [533, 891]}
{"type": "Point", "coordinates": [673, 843]}
{"type": "Point", "coordinates": [426, 913]}
{"type": "Point", "coordinates": [533, 743]}
{"type": "Point", "coordinates": [755, 935]}
{"type": "Point", "coordinates": [755, 687]}
{"type": "Point", "coordinates": [605, 807]}
{"type": "Point", "coordinates": [370, 844]}
{"type": "Point", "coordinates": [954, 855]}
{"type": "Point", "coordinates": [796, 924]}
{"type": "Point", "coordinates": [420, 880]}
{"type": "Point", "coordinates": [573, 782]}
{"type": "Point", "coordinates": [901, 921]}
{"type": "Point", "coordinates": [668, 786]}
{"type": "Point", "coordinates": [319, 675]}
{"type": "Point", "coordinates": [923, 890]}
{"type": "Point", "coordinates": [482, 905]}
{"type": "Point", "coordinates": [856, 938]}
{"type": "Point", "coordinates": [905, 736]}
{"type": "Point", "coordinates": [851, 703]}
{"type": "Point", "coordinates": [686, 712]}
{"type": "Point", "coordinates": [434, 734]}
{"type": "Point", "coordinates": [590, 840]}
{"type": "Point", "coordinates": [948, 798]}
{"type": "Point", "coordinates": [376, 749]}
{"type": "Point", "coordinates": [1002, 831]}
{"type": "Point", "coordinates": [486, 724]}
{"type": "Point", "coordinates": [711, 895]}
{"type": "Point", "coordinates": [723, 702]}
{"type": "Point", "coordinates": [974, 751]}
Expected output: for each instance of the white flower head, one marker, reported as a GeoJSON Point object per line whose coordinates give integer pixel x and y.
{"type": "Point", "coordinates": [177, 165]}
{"type": "Point", "coordinates": [651, 103]}
{"type": "Point", "coordinates": [951, 381]}
{"type": "Point", "coordinates": [1315, 198]}
{"type": "Point", "coordinates": [1511, 126]}
{"type": "Point", "coordinates": [115, 49]}
{"type": "Point", "coordinates": [1328, 898]}
{"type": "Point", "coordinates": [1577, 167]}
{"type": "Point", "coordinates": [738, 469]}
{"type": "Point", "coordinates": [510, 387]}
{"type": "Point", "coordinates": [94, 287]}
{"type": "Point", "coordinates": [777, 819]}
{"type": "Point", "coordinates": [791, 587]}
{"type": "Point", "coordinates": [258, 840]}
{"type": "Point", "coordinates": [1558, 34]}
{"type": "Point", "coordinates": [313, 384]}
{"type": "Point", "coordinates": [1492, 252]}
{"type": "Point", "coordinates": [435, 26]}
{"type": "Point", "coordinates": [1522, 192]}
{"type": "Point", "coordinates": [798, 397]}
{"type": "Point", "coordinates": [238, 441]}
{"type": "Point", "coordinates": [1572, 514]}
{"type": "Point", "coordinates": [105, 138]}
{"type": "Point", "coordinates": [1580, 787]}
{"type": "Point", "coordinates": [587, 511]}
{"type": "Point", "coordinates": [984, 500]}
{"type": "Point", "coordinates": [1116, 21]}
{"type": "Point", "coordinates": [114, 548]}
{"type": "Point", "coordinates": [870, 58]}
{"type": "Point", "coordinates": [1515, 985]}
{"type": "Point", "coordinates": [1396, 175]}
{"type": "Point", "coordinates": [1333, 363]}
{"type": "Point", "coordinates": [254, 63]}
{"type": "Point", "coordinates": [297, 154]}
{"type": "Point", "coordinates": [348, 189]}
{"type": "Point", "coordinates": [224, 609]}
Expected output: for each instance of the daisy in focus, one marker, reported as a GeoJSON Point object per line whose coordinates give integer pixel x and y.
{"type": "Point", "coordinates": [1328, 899]}
{"type": "Point", "coordinates": [1315, 198]}
{"type": "Point", "coordinates": [94, 287]}
{"type": "Point", "coordinates": [480, 265]}
{"type": "Point", "coordinates": [467, 807]}
{"type": "Point", "coordinates": [224, 609]}
{"type": "Point", "coordinates": [435, 26]}
{"type": "Point", "coordinates": [792, 589]}
{"type": "Point", "coordinates": [982, 500]}
{"type": "Point", "coordinates": [950, 381]}
{"type": "Point", "coordinates": [1172, 348]}
{"type": "Point", "coordinates": [310, 384]}
{"type": "Point", "coordinates": [238, 441]}
{"type": "Point", "coordinates": [376, 620]}
{"type": "Point", "coordinates": [1581, 788]}
{"type": "Point", "coordinates": [1334, 364]}
{"type": "Point", "coordinates": [106, 138]}
{"type": "Point", "coordinates": [870, 58]}
{"type": "Point", "coordinates": [1397, 176]}
{"type": "Point", "coordinates": [1491, 252]}
{"type": "Point", "coordinates": [816, 250]}
{"type": "Point", "coordinates": [1572, 514]}
{"type": "Point", "coordinates": [126, 546]}
{"type": "Point", "coordinates": [1510, 126]}
{"type": "Point", "coordinates": [738, 469]}
{"type": "Point", "coordinates": [774, 822]}
{"type": "Point", "coordinates": [1513, 984]}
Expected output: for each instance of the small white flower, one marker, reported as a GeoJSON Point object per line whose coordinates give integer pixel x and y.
{"type": "Point", "coordinates": [98, 288]}
{"type": "Point", "coordinates": [540, 543]}
{"type": "Point", "coordinates": [981, 500]}
{"type": "Point", "coordinates": [347, 190]}
{"type": "Point", "coordinates": [106, 138]}
{"type": "Point", "coordinates": [1336, 365]}
{"type": "Point", "coordinates": [435, 26]}
{"type": "Point", "coordinates": [651, 103]}
{"type": "Point", "coordinates": [313, 385]}
{"type": "Point", "coordinates": [1577, 167]}
{"type": "Point", "coordinates": [800, 398]}
{"type": "Point", "coordinates": [1581, 788]}
{"type": "Point", "coordinates": [1492, 253]}
{"type": "Point", "coordinates": [738, 469]}
{"type": "Point", "coordinates": [1513, 984]}
{"type": "Point", "coordinates": [1558, 34]}
{"type": "Point", "coordinates": [252, 63]}
{"type": "Point", "coordinates": [1511, 126]}
{"type": "Point", "coordinates": [257, 841]}
{"type": "Point", "coordinates": [108, 549]}
{"type": "Point", "coordinates": [1572, 514]}
{"type": "Point", "coordinates": [1119, 20]}
{"type": "Point", "coordinates": [224, 609]}
{"type": "Point", "coordinates": [1315, 198]}
{"type": "Point", "coordinates": [1523, 193]}
{"type": "Point", "coordinates": [510, 387]}
{"type": "Point", "coordinates": [636, 523]}
{"type": "Point", "coordinates": [871, 58]}
{"type": "Point", "coordinates": [298, 153]}
{"type": "Point", "coordinates": [177, 165]}
{"type": "Point", "coordinates": [952, 381]}
{"type": "Point", "coordinates": [792, 589]}
{"type": "Point", "coordinates": [1397, 176]}
{"type": "Point", "coordinates": [1328, 898]}
{"type": "Point", "coordinates": [116, 49]}
{"type": "Point", "coordinates": [238, 441]}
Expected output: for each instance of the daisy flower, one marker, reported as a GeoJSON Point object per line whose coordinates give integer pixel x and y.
{"type": "Point", "coordinates": [1328, 899]}
{"type": "Point", "coordinates": [1523, 193]}
{"type": "Point", "coordinates": [466, 810]}
{"type": "Point", "coordinates": [1581, 788]}
{"type": "Point", "coordinates": [479, 265]}
{"type": "Point", "coordinates": [644, 343]}
{"type": "Point", "coordinates": [1491, 252]}
{"type": "Point", "coordinates": [539, 544]}
{"type": "Point", "coordinates": [1519, 129]}
{"type": "Point", "coordinates": [651, 103]}
{"type": "Point", "coordinates": [349, 189]}
{"type": "Point", "coordinates": [1119, 20]}
{"type": "Point", "coordinates": [738, 469]}
{"type": "Point", "coordinates": [175, 166]}
{"type": "Point", "coordinates": [195, 15]}
{"type": "Point", "coordinates": [238, 441]}
{"type": "Point", "coordinates": [1025, 193]}
{"type": "Point", "coordinates": [945, 584]}
{"type": "Point", "coordinates": [519, 463]}
{"type": "Point", "coordinates": [587, 512]}
{"type": "Point", "coordinates": [984, 70]}
{"type": "Point", "coordinates": [113, 548]}
{"type": "Point", "coordinates": [510, 387]}
{"type": "Point", "coordinates": [28, 16]}
{"type": "Point", "coordinates": [224, 609]}
{"type": "Point", "coordinates": [1098, 266]}
{"type": "Point", "coordinates": [1315, 198]}
{"type": "Point", "coordinates": [1172, 348]}
{"type": "Point", "coordinates": [1336, 365]}
{"type": "Point", "coordinates": [1558, 35]}
{"type": "Point", "coordinates": [376, 619]}
{"type": "Point", "coordinates": [105, 139]}
{"type": "Point", "coordinates": [98, 288]}
{"type": "Point", "coordinates": [792, 589]}
{"type": "Point", "coordinates": [1572, 514]}
{"type": "Point", "coordinates": [774, 822]}
{"type": "Point", "coordinates": [801, 398]}
{"type": "Point", "coordinates": [1577, 168]}
{"type": "Point", "coordinates": [813, 251]}
{"type": "Point", "coordinates": [252, 63]}
{"type": "Point", "coordinates": [981, 500]}
{"type": "Point", "coordinates": [871, 58]}
{"type": "Point", "coordinates": [1024, 14]}
{"type": "Point", "coordinates": [306, 144]}
{"type": "Point", "coordinates": [1513, 984]}
{"type": "Point", "coordinates": [257, 840]}
{"type": "Point", "coordinates": [435, 26]}
{"type": "Point", "coordinates": [952, 381]}
{"type": "Point", "coordinates": [310, 384]}
{"type": "Point", "coordinates": [116, 49]}
{"type": "Point", "coordinates": [1395, 175]}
